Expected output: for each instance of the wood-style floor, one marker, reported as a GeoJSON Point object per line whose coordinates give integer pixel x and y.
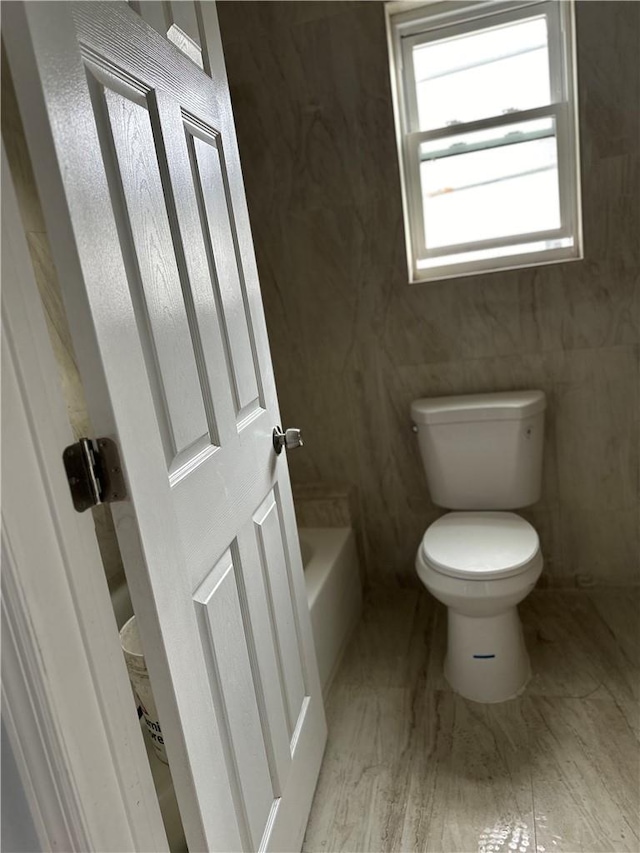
{"type": "Point", "coordinates": [411, 766]}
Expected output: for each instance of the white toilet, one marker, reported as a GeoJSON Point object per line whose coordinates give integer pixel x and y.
{"type": "Point", "coordinates": [482, 454]}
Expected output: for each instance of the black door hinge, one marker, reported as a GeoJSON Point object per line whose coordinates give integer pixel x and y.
{"type": "Point", "coordinates": [94, 472]}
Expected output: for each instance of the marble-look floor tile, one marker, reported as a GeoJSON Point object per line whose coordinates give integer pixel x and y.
{"type": "Point", "coordinates": [431, 752]}
{"type": "Point", "coordinates": [585, 772]}
{"type": "Point", "coordinates": [411, 766]}
{"type": "Point", "coordinates": [431, 623]}
{"type": "Point", "coordinates": [382, 653]}
{"type": "Point", "coordinates": [484, 783]}
{"type": "Point", "coordinates": [630, 710]}
{"type": "Point", "coordinates": [573, 653]}
{"type": "Point", "coordinates": [419, 770]}
{"type": "Point", "coordinates": [619, 609]}
{"type": "Point", "coordinates": [365, 776]}
{"type": "Point", "coordinates": [582, 644]}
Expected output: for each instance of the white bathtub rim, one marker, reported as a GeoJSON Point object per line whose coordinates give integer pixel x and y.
{"type": "Point", "coordinates": [327, 545]}
{"type": "Point", "coordinates": [334, 593]}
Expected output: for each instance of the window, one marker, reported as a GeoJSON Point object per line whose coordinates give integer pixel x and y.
{"type": "Point", "coordinates": [484, 96]}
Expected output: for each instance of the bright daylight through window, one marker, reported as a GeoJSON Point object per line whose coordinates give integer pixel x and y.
{"type": "Point", "coordinates": [487, 134]}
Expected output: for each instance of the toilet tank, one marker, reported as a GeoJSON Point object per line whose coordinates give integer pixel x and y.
{"type": "Point", "coordinates": [482, 451]}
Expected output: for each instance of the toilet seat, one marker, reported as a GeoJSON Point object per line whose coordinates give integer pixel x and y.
{"type": "Point", "coordinates": [480, 545]}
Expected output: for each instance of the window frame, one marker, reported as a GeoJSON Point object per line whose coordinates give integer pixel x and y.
{"type": "Point", "coordinates": [412, 24]}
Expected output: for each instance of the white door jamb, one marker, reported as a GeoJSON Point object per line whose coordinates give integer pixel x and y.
{"type": "Point", "coordinates": [66, 700]}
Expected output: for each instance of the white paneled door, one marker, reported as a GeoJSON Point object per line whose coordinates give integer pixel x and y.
{"type": "Point", "coordinates": [136, 161]}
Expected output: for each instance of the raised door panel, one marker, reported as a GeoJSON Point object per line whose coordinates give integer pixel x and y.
{"type": "Point", "coordinates": [169, 187]}
{"type": "Point", "coordinates": [182, 396]}
{"type": "Point", "coordinates": [276, 571]}
{"type": "Point", "coordinates": [199, 285]}
{"type": "Point", "coordinates": [153, 12]}
{"type": "Point", "coordinates": [222, 611]}
{"type": "Point", "coordinates": [183, 28]}
{"type": "Point", "coordinates": [261, 632]}
{"type": "Point", "coordinates": [207, 159]}
{"type": "Point", "coordinates": [177, 20]}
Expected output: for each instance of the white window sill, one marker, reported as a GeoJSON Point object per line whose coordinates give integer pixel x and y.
{"type": "Point", "coordinates": [490, 266]}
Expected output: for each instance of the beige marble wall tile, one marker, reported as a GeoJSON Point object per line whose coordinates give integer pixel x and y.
{"type": "Point", "coordinates": [331, 505]}
{"type": "Point", "coordinates": [348, 132]}
{"type": "Point", "coordinates": [601, 546]}
{"type": "Point", "coordinates": [352, 342]}
{"type": "Point", "coordinates": [548, 526]}
{"type": "Point", "coordinates": [327, 454]}
{"type": "Point", "coordinates": [597, 398]}
{"type": "Point", "coordinates": [597, 395]}
{"type": "Point", "coordinates": [468, 318]}
{"type": "Point", "coordinates": [317, 509]}
{"type": "Point", "coordinates": [587, 303]}
{"type": "Point", "coordinates": [611, 31]}
{"type": "Point", "coordinates": [611, 215]}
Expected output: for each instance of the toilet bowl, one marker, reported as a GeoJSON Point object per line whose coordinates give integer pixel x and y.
{"type": "Point", "coordinates": [482, 455]}
{"type": "Point", "coordinates": [481, 565]}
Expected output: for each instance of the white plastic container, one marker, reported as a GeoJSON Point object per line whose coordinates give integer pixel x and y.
{"type": "Point", "coordinates": [139, 676]}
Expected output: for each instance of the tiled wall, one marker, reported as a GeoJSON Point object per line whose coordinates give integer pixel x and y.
{"type": "Point", "coordinates": [353, 343]}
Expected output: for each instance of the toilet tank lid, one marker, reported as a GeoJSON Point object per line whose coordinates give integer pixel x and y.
{"type": "Point", "coordinates": [499, 406]}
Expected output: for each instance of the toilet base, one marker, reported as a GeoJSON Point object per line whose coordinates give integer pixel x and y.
{"type": "Point", "coordinates": [487, 660]}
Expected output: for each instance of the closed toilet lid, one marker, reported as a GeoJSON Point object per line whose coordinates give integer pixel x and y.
{"type": "Point", "coordinates": [480, 545]}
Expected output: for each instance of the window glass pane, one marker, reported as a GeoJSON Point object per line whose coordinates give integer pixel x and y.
{"type": "Point", "coordinates": [495, 252]}
{"type": "Point", "coordinates": [490, 184]}
{"type": "Point", "coordinates": [482, 74]}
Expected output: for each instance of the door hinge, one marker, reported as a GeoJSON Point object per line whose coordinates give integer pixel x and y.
{"type": "Point", "coordinates": [94, 472]}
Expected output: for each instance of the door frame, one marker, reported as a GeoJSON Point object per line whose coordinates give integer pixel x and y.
{"type": "Point", "coordinates": [66, 699]}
